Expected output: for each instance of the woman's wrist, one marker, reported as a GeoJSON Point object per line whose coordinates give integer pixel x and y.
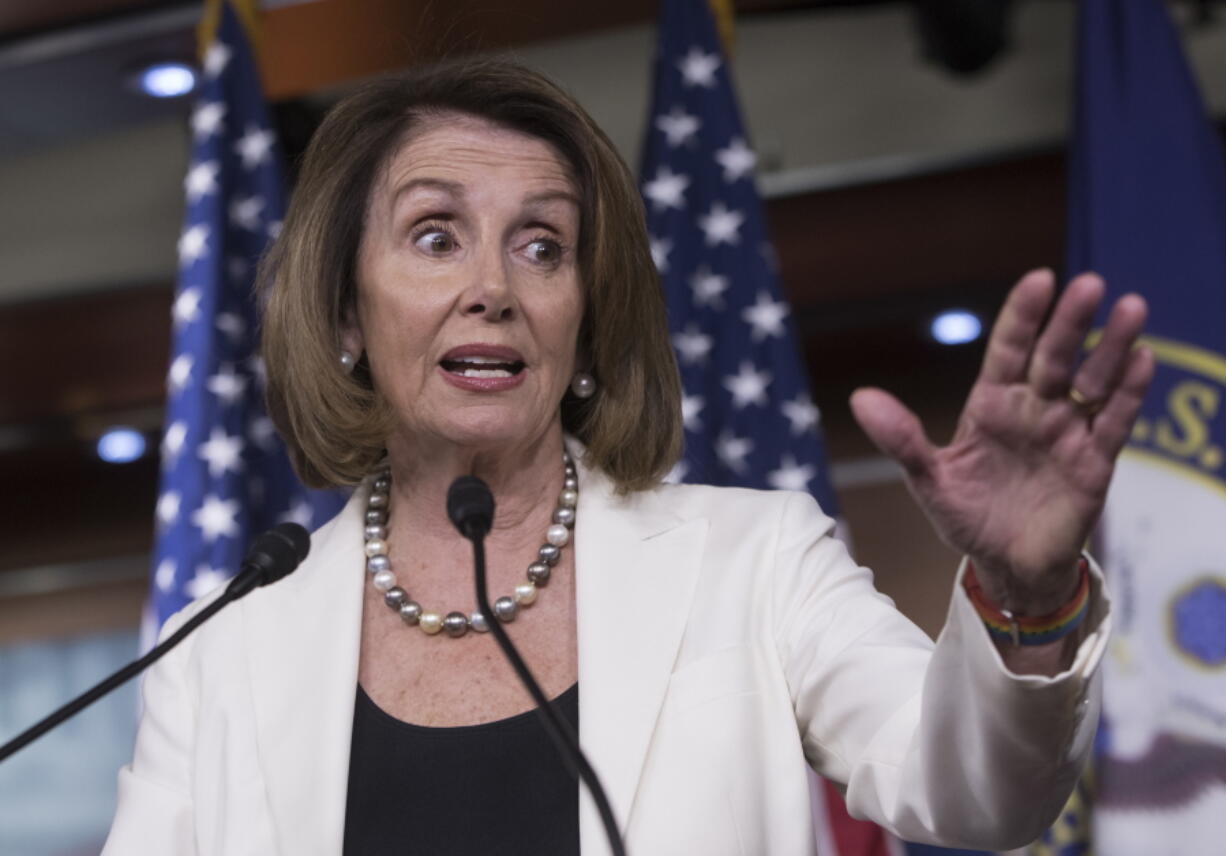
{"type": "Point", "coordinates": [1033, 592]}
{"type": "Point", "coordinates": [1030, 621]}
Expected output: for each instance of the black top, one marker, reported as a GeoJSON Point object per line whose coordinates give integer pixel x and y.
{"type": "Point", "coordinates": [499, 787]}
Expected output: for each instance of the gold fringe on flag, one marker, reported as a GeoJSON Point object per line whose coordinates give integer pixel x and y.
{"type": "Point", "coordinates": [248, 12]}
{"type": "Point", "coordinates": [1072, 833]}
{"type": "Point", "coordinates": [725, 23]}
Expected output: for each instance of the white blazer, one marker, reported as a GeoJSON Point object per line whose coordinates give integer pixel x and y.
{"type": "Point", "coordinates": [725, 638]}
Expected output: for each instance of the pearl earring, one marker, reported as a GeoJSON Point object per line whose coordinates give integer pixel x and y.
{"type": "Point", "coordinates": [583, 385]}
{"type": "Point", "coordinates": [348, 361]}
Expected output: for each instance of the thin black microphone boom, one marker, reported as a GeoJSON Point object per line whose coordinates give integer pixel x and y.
{"type": "Point", "coordinates": [470, 506]}
{"type": "Point", "coordinates": [272, 556]}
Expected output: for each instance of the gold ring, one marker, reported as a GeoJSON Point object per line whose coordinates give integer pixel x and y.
{"type": "Point", "coordinates": [1082, 402]}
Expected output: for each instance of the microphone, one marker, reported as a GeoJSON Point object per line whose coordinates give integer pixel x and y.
{"type": "Point", "coordinates": [271, 556]}
{"type": "Point", "coordinates": [470, 506]}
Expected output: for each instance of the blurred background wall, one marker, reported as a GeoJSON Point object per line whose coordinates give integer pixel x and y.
{"type": "Point", "coordinates": [910, 154]}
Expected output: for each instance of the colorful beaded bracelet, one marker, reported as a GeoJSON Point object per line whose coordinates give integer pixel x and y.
{"type": "Point", "coordinates": [1004, 626]}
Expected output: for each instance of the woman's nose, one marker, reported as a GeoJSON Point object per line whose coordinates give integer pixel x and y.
{"type": "Point", "coordinates": [491, 307]}
{"type": "Point", "coordinates": [490, 296]}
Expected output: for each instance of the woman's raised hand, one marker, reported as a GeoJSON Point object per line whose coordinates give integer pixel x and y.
{"type": "Point", "coordinates": [1022, 483]}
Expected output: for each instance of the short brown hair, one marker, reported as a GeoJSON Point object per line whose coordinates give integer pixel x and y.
{"type": "Point", "coordinates": [336, 424]}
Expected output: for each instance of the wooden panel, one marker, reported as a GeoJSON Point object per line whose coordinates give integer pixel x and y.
{"type": "Point", "coordinates": [312, 46]}
{"type": "Point", "coordinates": [528, 21]}
{"type": "Point", "coordinates": [62, 504]}
{"type": "Point", "coordinates": [910, 564]}
{"type": "Point", "coordinates": [93, 353]}
{"type": "Point", "coordinates": [954, 230]}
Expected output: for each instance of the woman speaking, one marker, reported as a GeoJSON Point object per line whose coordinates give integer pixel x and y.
{"type": "Point", "coordinates": [463, 285]}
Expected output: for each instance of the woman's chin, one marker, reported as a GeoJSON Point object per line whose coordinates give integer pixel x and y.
{"type": "Point", "coordinates": [497, 430]}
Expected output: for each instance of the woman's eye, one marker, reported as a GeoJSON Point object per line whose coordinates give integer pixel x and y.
{"type": "Point", "coordinates": [545, 251]}
{"type": "Point", "coordinates": [436, 241]}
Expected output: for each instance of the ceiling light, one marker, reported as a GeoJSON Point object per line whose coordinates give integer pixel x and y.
{"type": "Point", "coordinates": [121, 445]}
{"type": "Point", "coordinates": [167, 79]}
{"type": "Point", "coordinates": [956, 327]}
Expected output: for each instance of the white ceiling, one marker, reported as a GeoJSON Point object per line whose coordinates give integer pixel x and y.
{"type": "Point", "coordinates": [830, 96]}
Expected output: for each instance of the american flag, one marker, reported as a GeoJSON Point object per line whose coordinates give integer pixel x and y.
{"type": "Point", "coordinates": [225, 475]}
{"type": "Point", "coordinates": [749, 418]}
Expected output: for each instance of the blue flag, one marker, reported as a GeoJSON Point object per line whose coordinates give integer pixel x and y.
{"type": "Point", "coordinates": [225, 475]}
{"type": "Point", "coordinates": [1147, 209]}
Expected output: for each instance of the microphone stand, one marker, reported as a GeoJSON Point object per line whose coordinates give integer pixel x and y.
{"type": "Point", "coordinates": [559, 729]}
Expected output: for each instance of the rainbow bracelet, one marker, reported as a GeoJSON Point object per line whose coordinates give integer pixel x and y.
{"type": "Point", "coordinates": [1004, 626]}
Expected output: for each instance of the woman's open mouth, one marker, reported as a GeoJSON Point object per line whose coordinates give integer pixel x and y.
{"type": "Point", "coordinates": [483, 367]}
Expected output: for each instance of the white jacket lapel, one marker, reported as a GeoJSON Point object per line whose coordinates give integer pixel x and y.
{"type": "Point", "coordinates": [636, 564]}
{"type": "Point", "coordinates": [304, 644]}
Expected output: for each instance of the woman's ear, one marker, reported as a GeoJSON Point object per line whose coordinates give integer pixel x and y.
{"type": "Point", "coordinates": [351, 333]}
{"type": "Point", "coordinates": [583, 351]}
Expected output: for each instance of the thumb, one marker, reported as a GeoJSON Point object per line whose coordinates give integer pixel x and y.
{"type": "Point", "coordinates": [894, 429]}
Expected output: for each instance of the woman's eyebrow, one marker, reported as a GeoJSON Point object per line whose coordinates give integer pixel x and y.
{"type": "Point", "coordinates": [453, 188]}
{"type": "Point", "coordinates": [552, 196]}
{"type": "Point", "coordinates": [457, 190]}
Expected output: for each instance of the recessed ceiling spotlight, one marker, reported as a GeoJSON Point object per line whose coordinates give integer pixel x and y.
{"type": "Point", "coordinates": [956, 327]}
{"type": "Point", "coordinates": [166, 79]}
{"type": "Point", "coordinates": [121, 445]}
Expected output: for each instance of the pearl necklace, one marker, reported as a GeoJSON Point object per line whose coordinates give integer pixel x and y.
{"type": "Point", "coordinates": [456, 624]}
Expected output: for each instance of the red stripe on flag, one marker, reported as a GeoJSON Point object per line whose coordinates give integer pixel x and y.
{"type": "Point", "coordinates": [851, 837]}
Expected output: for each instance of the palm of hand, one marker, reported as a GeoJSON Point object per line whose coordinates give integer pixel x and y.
{"type": "Point", "coordinates": [1017, 466]}
{"type": "Point", "coordinates": [1022, 483]}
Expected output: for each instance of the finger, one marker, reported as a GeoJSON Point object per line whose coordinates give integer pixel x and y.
{"type": "Point", "coordinates": [1105, 365]}
{"type": "Point", "coordinates": [1059, 346]}
{"type": "Point", "coordinates": [894, 429]}
{"type": "Point", "coordinates": [1113, 424]}
{"type": "Point", "coordinates": [1017, 326]}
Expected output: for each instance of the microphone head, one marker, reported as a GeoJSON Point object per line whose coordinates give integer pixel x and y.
{"type": "Point", "coordinates": [278, 551]}
{"type": "Point", "coordinates": [470, 505]}
{"type": "Point", "coordinates": [297, 536]}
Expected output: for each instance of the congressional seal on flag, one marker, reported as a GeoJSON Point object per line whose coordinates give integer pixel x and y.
{"type": "Point", "coordinates": [1164, 759]}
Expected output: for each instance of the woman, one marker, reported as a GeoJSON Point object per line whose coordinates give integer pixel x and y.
{"type": "Point", "coordinates": [464, 285]}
